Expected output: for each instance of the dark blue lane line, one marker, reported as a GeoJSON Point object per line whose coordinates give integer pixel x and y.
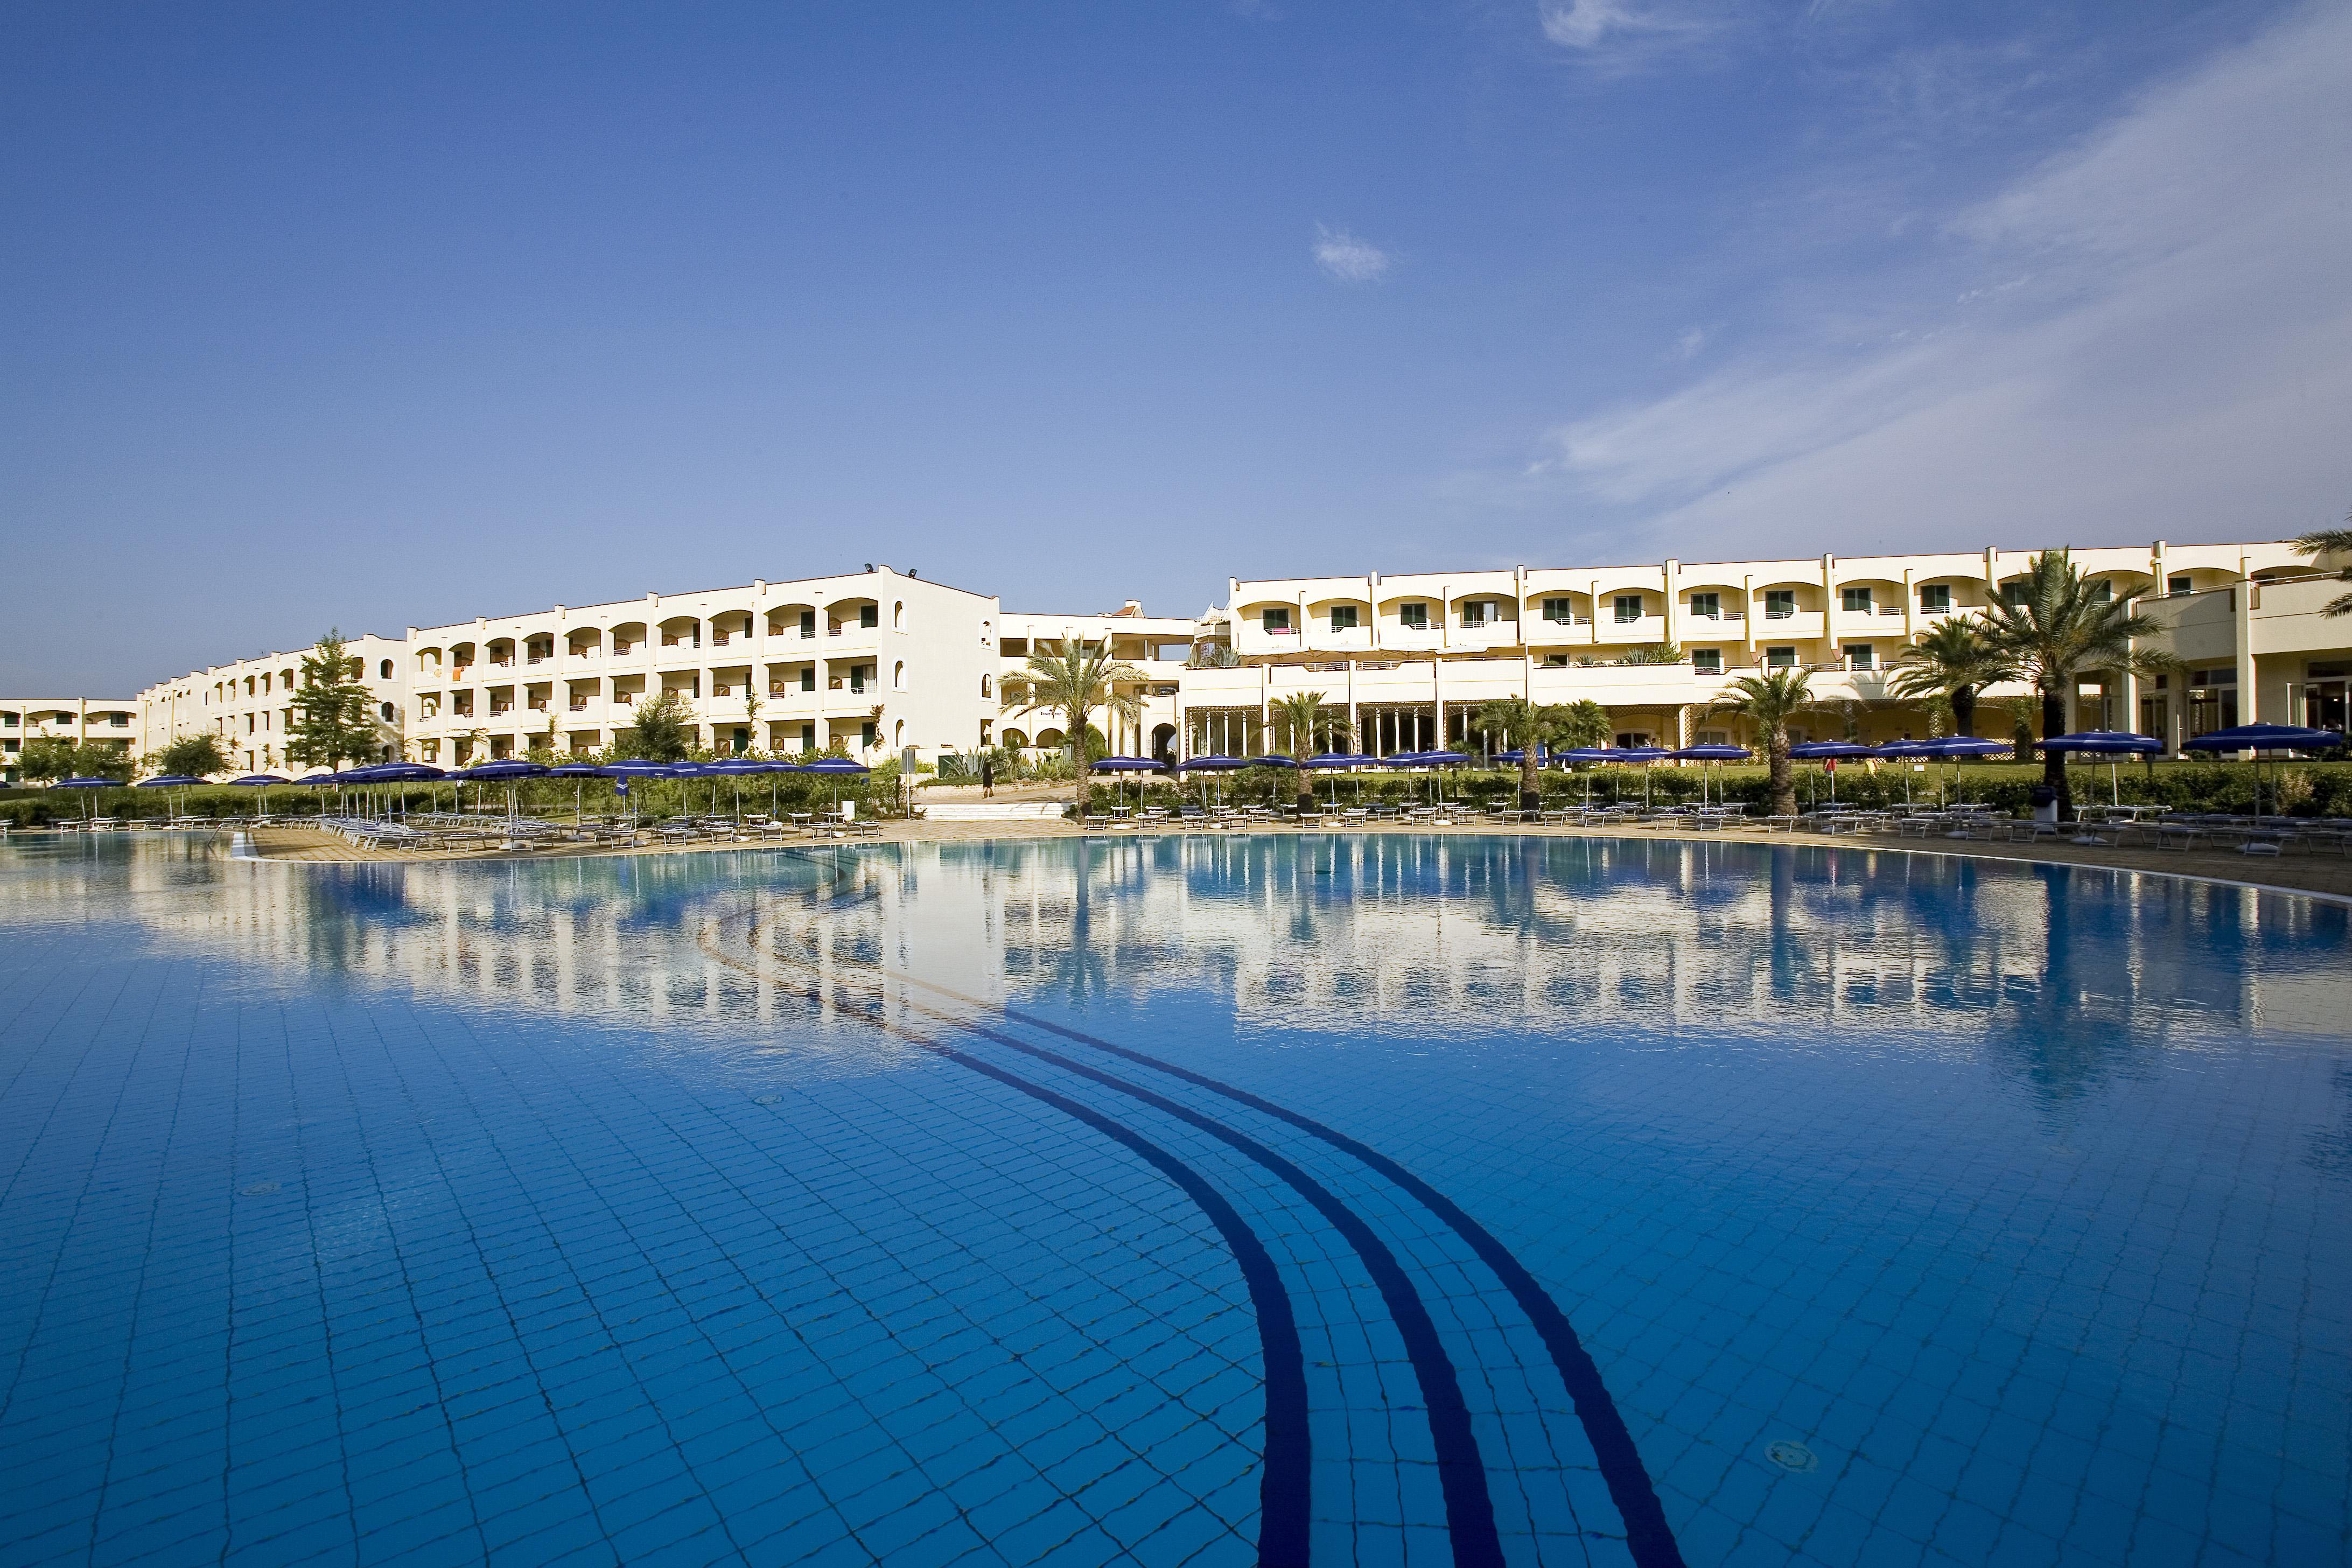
{"type": "Point", "coordinates": [1284, 1498]}
{"type": "Point", "coordinates": [1647, 1534]}
{"type": "Point", "coordinates": [1461, 1473]}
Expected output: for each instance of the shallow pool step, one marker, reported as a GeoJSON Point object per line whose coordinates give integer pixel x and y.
{"type": "Point", "coordinates": [993, 810]}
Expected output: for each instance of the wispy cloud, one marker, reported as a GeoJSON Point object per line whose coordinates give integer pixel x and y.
{"type": "Point", "coordinates": [1688, 342]}
{"type": "Point", "coordinates": [1346, 257]}
{"type": "Point", "coordinates": [1592, 27]}
{"type": "Point", "coordinates": [2153, 336]}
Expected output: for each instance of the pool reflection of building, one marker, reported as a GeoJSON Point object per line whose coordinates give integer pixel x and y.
{"type": "Point", "coordinates": [1552, 935]}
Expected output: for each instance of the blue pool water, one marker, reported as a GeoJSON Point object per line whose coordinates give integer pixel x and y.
{"type": "Point", "coordinates": [1339, 1200]}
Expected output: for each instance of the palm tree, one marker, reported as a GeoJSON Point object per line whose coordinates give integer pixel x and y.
{"type": "Point", "coordinates": [1526, 726]}
{"type": "Point", "coordinates": [1952, 659]}
{"type": "Point", "coordinates": [2053, 634]}
{"type": "Point", "coordinates": [2331, 541]}
{"type": "Point", "coordinates": [1301, 713]}
{"type": "Point", "coordinates": [1584, 722]}
{"type": "Point", "coordinates": [1768, 702]}
{"type": "Point", "coordinates": [1074, 683]}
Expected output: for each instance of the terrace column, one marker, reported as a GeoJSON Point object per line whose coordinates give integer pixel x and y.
{"type": "Point", "coordinates": [2241, 631]}
{"type": "Point", "coordinates": [1437, 700]}
{"type": "Point", "coordinates": [1355, 734]}
{"type": "Point", "coordinates": [1667, 573]}
{"type": "Point", "coordinates": [1265, 707]}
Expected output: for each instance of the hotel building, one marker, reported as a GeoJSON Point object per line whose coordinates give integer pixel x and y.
{"type": "Point", "coordinates": [882, 661]}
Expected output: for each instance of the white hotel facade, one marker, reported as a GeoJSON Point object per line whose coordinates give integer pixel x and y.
{"type": "Point", "coordinates": [880, 661]}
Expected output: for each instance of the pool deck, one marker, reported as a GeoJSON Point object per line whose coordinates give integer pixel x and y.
{"type": "Point", "coordinates": [2330, 877]}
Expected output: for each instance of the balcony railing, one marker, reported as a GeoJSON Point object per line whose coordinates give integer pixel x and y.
{"type": "Point", "coordinates": [1779, 612]}
{"type": "Point", "coordinates": [580, 705]}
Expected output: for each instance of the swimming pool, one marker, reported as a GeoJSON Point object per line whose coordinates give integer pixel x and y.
{"type": "Point", "coordinates": [1381, 1199]}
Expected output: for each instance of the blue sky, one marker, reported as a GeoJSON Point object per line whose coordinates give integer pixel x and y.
{"type": "Point", "coordinates": [382, 315]}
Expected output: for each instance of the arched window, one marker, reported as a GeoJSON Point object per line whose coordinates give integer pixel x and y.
{"type": "Point", "coordinates": [984, 686]}
{"type": "Point", "coordinates": [383, 671]}
{"type": "Point", "coordinates": [387, 712]}
{"type": "Point", "coordinates": [898, 676]}
{"type": "Point", "coordinates": [898, 615]}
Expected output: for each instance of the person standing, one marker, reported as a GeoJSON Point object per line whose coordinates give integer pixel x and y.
{"type": "Point", "coordinates": [987, 777]}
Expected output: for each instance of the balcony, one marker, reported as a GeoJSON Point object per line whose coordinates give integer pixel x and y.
{"type": "Point", "coordinates": [579, 705]}
{"type": "Point", "coordinates": [539, 658]}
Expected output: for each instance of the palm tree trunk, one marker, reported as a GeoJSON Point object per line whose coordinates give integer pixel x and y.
{"type": "Point", "coordinates": [1530, 793]}
{"type": "Point", "coordinates": [1964, 710]}
{"type": "Point", "coordinates": [1783, 785]}
{"type": "Point", "coordinates": [2053, 764]}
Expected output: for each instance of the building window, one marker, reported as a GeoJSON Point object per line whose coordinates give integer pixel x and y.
{"type": "Point", "coordinates": [1555, 661]}
{"type": "Point", "coordinates": [1413, 617]}
{"type": "Point", "coordinates": [1779, 604]}
{"type": "Point", "coordinates": [1856, 600]}
{"type": "Point", "coordinates": [898, 615]}
{"type": "Point", "coordinates": [1780, 658]}
{"type": "Point", "coordinates": [867, 734]}
{"type": "Point", "coordinates": [1559, 612]}
{"type": "Point", "coordinates": [808, 677]}
{"type": "Point", "coordinates": [2103, 591]}
{"type": "Point", "coordinates": [808, 622]}
{"type": "Point", "coordinates": [386, 709]}
{"type": "Point", "coordinates": [898, 676]}
{"type": "Point", "coordinates": [2176, 586]}
{"type": "Point", "coordinates": [1275, 623]}
{"type": "Point", "coordinates": [1706, 607]}
{"type": "Point", "coordinates": [1860, 656]}
{"type": "Point", "coordinates": [868, 616]}
{"type": "Point", "coordinates": [2213, 701]}
{"type": "Point", "coordinates": [984, 690]}
{"type": "Point", "coordinates": [1706, 661]}
{"type": "Point", "coordinates": [1475, 612]}
{"type": "Point", "coordinates": [1935, 598]}
{"type": "Point", "coordinates": [1628, 609]}
{"type": "Point", "coordinates": [2013, 594]}
{"type": "Point", "coordinates": [1343, 617]}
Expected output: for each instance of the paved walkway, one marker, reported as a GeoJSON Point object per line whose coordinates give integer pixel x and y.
{"type": "Point", "coordinates": [2328, 875]}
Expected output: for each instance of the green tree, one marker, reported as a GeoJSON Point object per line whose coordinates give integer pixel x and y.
{"type": "Point", "coordinates": [332, 721]}
{"type": "Point", "coordinates": [2056, 632]}
{"type": "Point", "coordinates": [1655, 653]}
{"type": "Point", "coordinates": [2332, 541]}
{"type": "Point", "coordinates": [1953, 660]}
{"type": "Point", "coordinates": [46, 761]}
{"type": "Point", "coordinates": [662, 731]}
{"type": "Point", "coordinates": [1584, 722]}
{"type": "Point", "coordinates": [1075, 682]}
{"type": "Point", "coordinates": [1527, 726]}
{"type": "Point", "coordinates": [198, 756]}
{"type": "Point", "coordinates": [1301, 713]}
{"type": "Point", "coordinates": [1769, 701]}
{"type": "Point", "coordinates": [751, 704]}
